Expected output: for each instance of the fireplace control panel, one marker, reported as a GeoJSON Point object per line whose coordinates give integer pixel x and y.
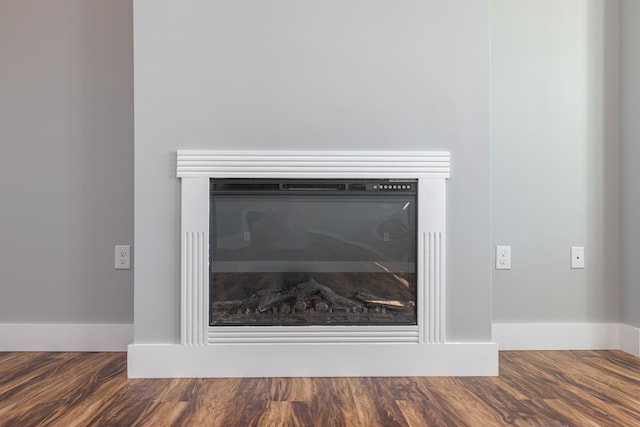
{"type": "Point", "coordinates": [311, 186]}
{"type": "Point", "coordinates": [394, 187]}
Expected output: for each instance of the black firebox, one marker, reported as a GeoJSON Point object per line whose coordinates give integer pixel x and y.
{"type": "Point", "coordinates": [312, 252]}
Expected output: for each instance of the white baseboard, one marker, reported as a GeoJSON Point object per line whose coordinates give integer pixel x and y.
{"type": "Point", "coordinates": [311, 360]}
{"type": "Point", "coordinates": [630, 339]}
{"type": "Point", "coordinates": [65, 337]}
{"type": "Point", "coordinates": [508, 336]}
{"type": "Point", "coordinates": [567, 336]}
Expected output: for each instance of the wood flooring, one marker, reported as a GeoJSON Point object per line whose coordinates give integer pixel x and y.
{"type": "Point", "coordinates": [535, 388]}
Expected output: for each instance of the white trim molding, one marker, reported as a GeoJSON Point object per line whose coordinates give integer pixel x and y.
{"type": "Point", "coordinates": [65, 337]}
{"type": "Point", "coordinates": [630, 339]}
{"type": "Point", "coordinates": [567, 336]}
{"type": "Point", "coordinates": [312, 164]}
{"type": "Point", "coordinates": [197, 167]}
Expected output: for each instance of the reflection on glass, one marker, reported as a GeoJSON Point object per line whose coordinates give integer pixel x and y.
{"type": "Point", "coordinates": [301, 260]}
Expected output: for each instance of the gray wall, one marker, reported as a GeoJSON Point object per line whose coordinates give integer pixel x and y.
{"type": "Point", "coordinates": [66, 167]}
{"type": "Point", "coordinates": [334, 74]}
{"type": "Point", "coordinates": [630, 151]}
{"type": "Point", "coordinates": [66, 125]}
{"type": "Point", "coordinates": [555, 168]}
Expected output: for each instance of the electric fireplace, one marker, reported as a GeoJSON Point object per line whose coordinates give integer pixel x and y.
{"type": "Point", "coordinates": [312, 263]}
{"type": "Point", "coordinates": [312, 252]}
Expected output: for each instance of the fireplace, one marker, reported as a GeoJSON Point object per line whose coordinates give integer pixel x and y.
{"type": "Point", "coordinates": [312, 252]}
{"type": "Point", "coordinates": [328, 340]}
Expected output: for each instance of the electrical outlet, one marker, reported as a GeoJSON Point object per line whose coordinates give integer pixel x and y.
{"type": "Point", "coordinates": [123, 257]}
{"type": "Point", "coordinates": [577, 256]}
{"type": "Point", "coordinates": [503, 257]}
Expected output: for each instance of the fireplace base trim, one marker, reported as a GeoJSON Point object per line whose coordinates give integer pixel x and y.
{"type": "Point", "coordinates": [312, 360]}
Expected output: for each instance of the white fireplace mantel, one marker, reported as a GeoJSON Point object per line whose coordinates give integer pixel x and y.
{"type": "Point", "coordinates": [257, 351]}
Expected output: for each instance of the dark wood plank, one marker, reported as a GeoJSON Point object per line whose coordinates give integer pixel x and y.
{"type": "Point", "coordinates": [535, 388]}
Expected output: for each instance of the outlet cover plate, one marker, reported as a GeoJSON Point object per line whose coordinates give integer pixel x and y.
{"type": "Point", "coordinates": [123, 257]}
{"type": "Point", "coordinates": [503, 257]}
{"type": "Point", "coordinates": [577, 256]}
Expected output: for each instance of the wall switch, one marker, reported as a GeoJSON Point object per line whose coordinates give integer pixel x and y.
{"type": "Point", "coordinates": [503, 257]}
{"type": "Point", "coordinates": [577, 256]}
{"type": "Point", "coordinates": [123, 257]}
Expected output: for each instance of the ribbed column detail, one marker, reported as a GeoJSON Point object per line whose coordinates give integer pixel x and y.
{"type": "Point", "coordinates": [194, 270]}
{"type": "Point", "coordinates": [434, 315]}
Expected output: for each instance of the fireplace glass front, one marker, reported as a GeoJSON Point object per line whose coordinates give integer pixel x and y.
{"type": "Point", "coordinates": [312, 252]}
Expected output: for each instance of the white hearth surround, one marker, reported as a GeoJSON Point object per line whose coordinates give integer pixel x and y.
{"type": "Point", "coordinates": [259, 351]}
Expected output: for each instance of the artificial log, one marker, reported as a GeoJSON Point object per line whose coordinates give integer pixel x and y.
{"type": "Point", "coordinates": [311, 302]}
